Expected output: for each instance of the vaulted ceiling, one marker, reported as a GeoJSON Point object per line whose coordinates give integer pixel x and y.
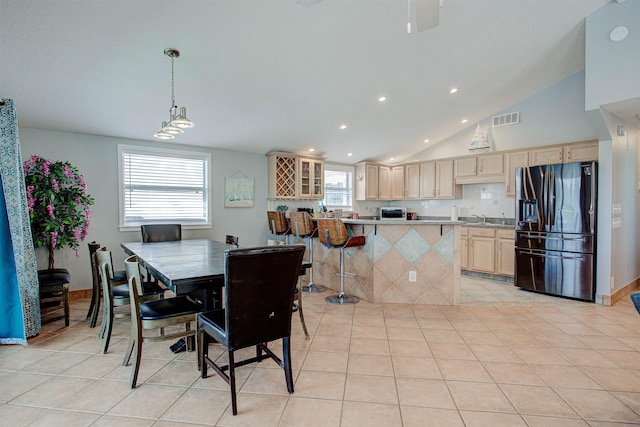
{"type": "Point", "coordinates": [266, 75]}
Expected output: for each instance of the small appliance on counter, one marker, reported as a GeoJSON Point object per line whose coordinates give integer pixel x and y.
{"type": "Point", "coordinates": [393, 213]}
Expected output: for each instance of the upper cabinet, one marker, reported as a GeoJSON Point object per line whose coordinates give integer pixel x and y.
{"type": "Point", "coordinates": [545, 156]}
{"type": "Point", "coordinates": [397, 183]}
{"type": "Point", "coordinates": [436, 180]}
{"type": "Point", "coordinates": [412, 181]}
{"type": "Point", "coordinates": [373, 182]}
{"type": "Point", "coordinates": [581, 152]}
{"type": "Point", "coordinates": [293, 177]}
{"type": "Point", "coordinates": [478, 169]}
{"type": "Point", "coordinates": [311, 178]}
{"type": "Point", "coordinates": [513, 160]}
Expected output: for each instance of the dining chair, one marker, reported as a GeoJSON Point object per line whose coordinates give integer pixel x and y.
{"type": "Point", "coordinates": [161, 232]}
{"type": "Point", "coordinates": [119, 277]}
{"type": "Point", "coordinates": [54, 294]}
{"type": "Point", "coordinates": [333, 233]}
{"type": "Point", "coordinates": [302, 227]}
{"type": "Point", "coordinates": [232, 240]}
{"type": "Point", "coordinates": [153, 315]}
{"type": "Point", "coordinates": [117, 295]}
{"type": "Point", "coordinates": [297, 297]}
{"type": "Point", "coordinates": [259, 288]}
{"type": "Point", "coordinates": [278, 224]}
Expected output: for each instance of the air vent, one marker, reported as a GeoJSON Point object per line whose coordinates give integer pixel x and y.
{"type": "Point", "coordinates": [506, 119]}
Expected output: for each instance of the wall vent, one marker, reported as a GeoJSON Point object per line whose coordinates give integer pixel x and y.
{"type": "Point", "coordinates": [506, 119]}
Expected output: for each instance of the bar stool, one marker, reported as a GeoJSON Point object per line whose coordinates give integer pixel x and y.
{"type": "Point", "coordinates": [303, 228]}
{"type": "Point", "coordinates": [278, 224]}
{"type": "Point", "coordinates": [333, 233]}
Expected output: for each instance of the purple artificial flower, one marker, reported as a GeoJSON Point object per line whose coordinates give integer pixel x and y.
{"type": "Point", "coordinates": [45, 167]}
{"type": "Point", "coordinates": [54, 238]}
{"type": "Point", "coordinates": [50, 210]}
{"type": "Point", "coordinates": [68, 172]}
{"type": "Point", "coordinates": [54, 184]}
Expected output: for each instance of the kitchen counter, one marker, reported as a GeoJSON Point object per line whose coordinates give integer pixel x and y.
{"type": "Point", "coordinates": [402, 261]}
{"type": "Point", "coordinates": [489, 225]}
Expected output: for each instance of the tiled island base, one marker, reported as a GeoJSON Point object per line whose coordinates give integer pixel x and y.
{"type": "Point", "coordinates": [392, 255]}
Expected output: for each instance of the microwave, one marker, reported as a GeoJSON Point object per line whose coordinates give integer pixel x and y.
{"type": "Point", "coordinates": [393, 213]}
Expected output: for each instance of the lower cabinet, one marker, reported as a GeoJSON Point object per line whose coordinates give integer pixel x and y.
{"type": "Point", "coordinates": [487, 250]}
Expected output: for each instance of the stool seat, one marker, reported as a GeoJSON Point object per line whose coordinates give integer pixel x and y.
{"type": "Point", "coordinates": [54, 289]}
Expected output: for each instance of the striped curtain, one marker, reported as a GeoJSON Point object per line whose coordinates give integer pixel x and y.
{"type": "Point", "coordinates": [19, 290]}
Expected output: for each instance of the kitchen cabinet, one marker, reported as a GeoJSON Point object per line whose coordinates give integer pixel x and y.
{"type": "Point", "coordinates": [545, 156]}
{"type": "Point", "coordinates": [412, 181]}
{"type": "Point", "coordinates": [373, 182]}
{"type": "Point", "coordinates": [397, 183]}
{"type": "Point", "coordinates": [505, 253]}
{"type": "Point", "coordinates": [436, 180]}
{"type": "Point", "coordinates": [291, 177]}
{"type": "Point", "coordinates": [482, 250]}
{"type": "Point", "coordinates": [581, 152]}
{"type": "Point", "coordinates": [487, 250]}
{"type": "Point", "coordinates": [465, 166]}
{"type": "Point", "coordinates": [310, 179]}
{"type": "Point", "coordinates": [464, 248]}
{"type": "Point", "coordinates": [513, 160]}
{"type": "Point", "coordinates": [479, 169]}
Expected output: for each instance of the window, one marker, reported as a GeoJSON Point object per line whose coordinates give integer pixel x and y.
{"type": "Point", "coordinates": [338, 189]}
{"type": "Point", "coordinates": [163, 186]}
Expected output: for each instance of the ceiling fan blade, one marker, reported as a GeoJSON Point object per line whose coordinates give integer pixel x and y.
{"type": "Point", "coordinates": [427, 14]}
{"type": "Point", "coordinates": [308, 3]}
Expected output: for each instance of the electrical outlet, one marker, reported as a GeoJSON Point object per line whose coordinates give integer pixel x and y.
{"type": "Point", "coordinates": [412, 276]}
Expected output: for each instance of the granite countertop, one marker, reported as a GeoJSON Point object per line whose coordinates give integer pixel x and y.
{"type": "Point", "coordinates": [489, 225]}
{"type": "Point", "coordinates": [402, 221]}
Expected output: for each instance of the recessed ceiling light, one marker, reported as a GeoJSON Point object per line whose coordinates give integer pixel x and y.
{"type": "Point", "coordinates": [453, 90]}
{"type": "Point", "coordinates": [349, 154]}
{"type": "Point", "coordinates": [312, 149]}
{"type": "Point", "coordinates": [464, 121]}
{"type": "Point", "coordinates": [343, 127]}
{"type": "Point", "coordinates": [382, 98]}
{"type": "Point", "coordinates": [391, 159]}
{"type": "Point", "coordinates": [426, 140]}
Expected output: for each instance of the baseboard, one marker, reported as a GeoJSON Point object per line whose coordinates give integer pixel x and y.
{"type": "Point", "coordinates": [620, 293]}
{"type": "Point", "coordinates": [80, 294]}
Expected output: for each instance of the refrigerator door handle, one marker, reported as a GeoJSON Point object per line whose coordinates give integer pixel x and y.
{"type": "Point", "coordinates": [584, 239]}
{"type": "Point", "coordinates": [592, 212]}
{"type": "Point", "coordinates": [542, 254]}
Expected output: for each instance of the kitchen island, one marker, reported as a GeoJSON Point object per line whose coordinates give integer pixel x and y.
{"type": "Point", "coordinates": [411, 262]}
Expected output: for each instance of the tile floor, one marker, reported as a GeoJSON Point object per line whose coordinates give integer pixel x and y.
{"type": "Point", "coordinates": [367, 364]}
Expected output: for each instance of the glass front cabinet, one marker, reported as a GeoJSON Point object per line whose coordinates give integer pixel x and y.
{"type": "Point", "coordinates": [311, 178]}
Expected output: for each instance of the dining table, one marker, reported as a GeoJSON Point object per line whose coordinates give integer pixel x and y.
{"type": "Point", "coordinates": [187, 266]}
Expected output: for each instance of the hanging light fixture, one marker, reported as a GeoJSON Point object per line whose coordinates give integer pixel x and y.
{"type": "Point", "coordinates": [177, 122]}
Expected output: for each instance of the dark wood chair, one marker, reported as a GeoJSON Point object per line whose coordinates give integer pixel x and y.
{"type": "Point", "coordinates": [54, 294]}
{"type": "Point", "coordinates": [178, 310]}
{"type": "Point", "coordinates": [161, 232]}
{"type": "Point", "coordinates": [117, 295]}
{"type": "Point", "coordinates": [259, 290]}
{"type": "Point", "coordinates": [333, 233]}
{"type": "Point", "coordinates": [119, 277]}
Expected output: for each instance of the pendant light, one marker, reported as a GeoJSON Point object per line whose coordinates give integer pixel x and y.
{"type": "Point", "coordinates": [177, 122]}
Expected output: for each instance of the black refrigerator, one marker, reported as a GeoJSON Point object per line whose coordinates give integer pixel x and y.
{"type": "Point", "coordinates": [556, 229]}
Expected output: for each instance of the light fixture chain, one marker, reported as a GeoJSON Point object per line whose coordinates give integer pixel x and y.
{"type": "Point", "coordinates": [173, 98]}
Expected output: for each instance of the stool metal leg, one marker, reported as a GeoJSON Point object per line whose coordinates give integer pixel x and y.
{"type": "Point", "coordinates": [341, 298]}
{"type": "Point", "coordinates": [311, 287]}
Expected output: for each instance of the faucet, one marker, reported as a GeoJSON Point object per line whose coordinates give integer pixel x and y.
{"type": "Point", "coordinates": [482, 217]}
{"type": "Point", "coordinates": [504, 220]}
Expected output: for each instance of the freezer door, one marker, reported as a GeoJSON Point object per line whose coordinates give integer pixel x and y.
{"type": "Point", "coordinates": [556, 273]}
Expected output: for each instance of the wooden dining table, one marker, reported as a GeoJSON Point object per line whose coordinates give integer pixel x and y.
{"type": "Point", "coordinates": [186, 266]}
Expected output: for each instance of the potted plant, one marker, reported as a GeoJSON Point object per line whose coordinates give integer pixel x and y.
{"type": "Point", "coordinates": [58, 204]}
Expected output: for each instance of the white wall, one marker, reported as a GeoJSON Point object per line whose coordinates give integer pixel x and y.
{"type": "Point", "coordinates": [96, 158]}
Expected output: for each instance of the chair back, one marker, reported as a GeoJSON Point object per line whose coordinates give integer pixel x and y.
{"type": "Point", "coordinates": [332, 232]}
{"type": "Point", "coordinates": [132, 268]}
{"type": "Point", "coordinates": [278, 223]}
{"type": "Point", "coordinates": [232, 240]}
{"type": "Point", "coordinates": [259, 291]}
{"type": "Point", "coordinates": [104, 264]}
{"type": "Point", "coordinates": [161, 232]}
{"type": "Point", "coordinates": [301, 224]}
{"type": "Point", "coordinates": [93, 247]}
